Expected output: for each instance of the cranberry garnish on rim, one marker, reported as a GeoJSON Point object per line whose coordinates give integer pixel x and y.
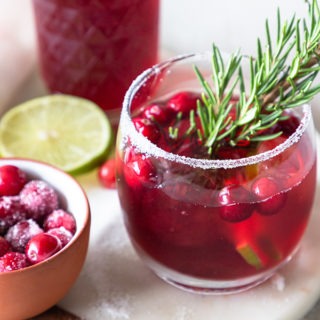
{"type": "Point", "coordinates": [235, 203]}
{"type": "Point", "coordinates": [12, 180]}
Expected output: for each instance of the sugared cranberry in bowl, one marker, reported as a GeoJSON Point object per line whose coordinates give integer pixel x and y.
{"type": "Point", "coordinates": [44, 233]}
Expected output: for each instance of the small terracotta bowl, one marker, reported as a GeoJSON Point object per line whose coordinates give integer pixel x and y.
{"type": "Point", "coordinates": [27, 292]}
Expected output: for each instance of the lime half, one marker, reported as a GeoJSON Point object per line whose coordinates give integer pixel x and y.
{"type": "Point", "coordinates": [71, 133]}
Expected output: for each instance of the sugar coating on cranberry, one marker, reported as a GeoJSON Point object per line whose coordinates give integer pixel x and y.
{"type": "Point", "coordinates": [39, 199]}
{"type": "Point", "coordinates": [11, 211]}
{"type": "Point", "coordinates": [13, 261]}
{"type": "Point", "coordinates": [12, 180]}
{"type": "Point", "coordinates": [4, 246]}
{"type": "Point", "coordinates": [62, 234]}
{"type": "Point", "coordinates": [41, 247]}
{"type": "Point", "coordinates": [23, 217]}
{"type": "Point", "coordinates": [60, 218]}
{"type": "Point", "coordinates": [19, 234]}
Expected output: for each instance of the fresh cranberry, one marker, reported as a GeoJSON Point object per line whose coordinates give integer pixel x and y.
{"type": "Point", "coordinates": [13, 261]}
{"type": "Point", "coordinates": [158, 113]}
{"type": "Point", "coordinates": [4, 246]}
{"type": "Point", "coordinates": [39, 199]}
{"type": "Point", "coordinates": [107, 173]}
{"type": "Point", "coordinates": [183, 102]}
{"type": "Point", "coordinates": [138, 170]}
{"type": "Point", "coordinates": [267, 190]}
{"type": "Point", "coordinates": [11, 211]}
{"type": "Point", "coordinates": [235, 203]}
{"type": "Point", "coordinates": [41, 247]}
{"type": "Point", "coordinates": [62, 234]}
{"type": "Point", "coordinates": [12, 180]}
{"type": "Point", "coordinates": [147, 128]}
{"type": "Point", "coordinates": [60, 218]}
{"type": "Point", "coordinates": [19, 234]}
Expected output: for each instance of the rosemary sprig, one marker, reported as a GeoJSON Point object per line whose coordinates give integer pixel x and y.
{"type": "Point", "coordinates": [276, 84]}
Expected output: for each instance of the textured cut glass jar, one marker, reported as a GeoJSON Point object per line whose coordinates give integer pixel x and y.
{"type": "Point", "coordinates": [95, 48]}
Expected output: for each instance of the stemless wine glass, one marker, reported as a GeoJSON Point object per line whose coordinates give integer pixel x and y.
{"type": "Point", "coordinates": [212, 226]}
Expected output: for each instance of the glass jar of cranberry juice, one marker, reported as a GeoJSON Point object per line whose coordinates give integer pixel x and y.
{"type": "Point", "coordinates": [208, 225]}
{"type": "Point", "coordinates": [95, 48]}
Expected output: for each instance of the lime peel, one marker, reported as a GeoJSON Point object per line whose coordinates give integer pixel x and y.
{"type": "Point", "coordinates": [249, 255]}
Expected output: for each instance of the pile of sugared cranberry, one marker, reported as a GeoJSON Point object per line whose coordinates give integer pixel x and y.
{"type": "Point", "coordinates": [33, 226]}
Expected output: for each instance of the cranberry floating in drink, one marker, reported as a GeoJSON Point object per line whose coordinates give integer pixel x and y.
{"type": "Point", "coordinates": [217, 196]}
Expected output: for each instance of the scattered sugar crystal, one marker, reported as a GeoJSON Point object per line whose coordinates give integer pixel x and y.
{"type": "Point", "coordinates": [183, 313]}
{"type": "Point", "coordinates": [114, 309]}
{"type": "Point", "coordinates": [279, 282]}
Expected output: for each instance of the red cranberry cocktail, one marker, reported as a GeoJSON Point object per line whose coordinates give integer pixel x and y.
{"type": "Point", "coordinates": [95, 48]}
{"type": "Point", "coordinates": [209, 224]}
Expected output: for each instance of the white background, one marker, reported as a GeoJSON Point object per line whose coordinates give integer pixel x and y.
{"type": "Point", "coordinates": [188, 25]}
{"type": "Point", "coordinates": [193, 25]}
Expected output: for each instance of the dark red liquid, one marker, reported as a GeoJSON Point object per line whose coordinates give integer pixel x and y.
{"type": "Point", "coordinates": [181, 218]}
{"type": "Point", "coordinates": [95, 48]}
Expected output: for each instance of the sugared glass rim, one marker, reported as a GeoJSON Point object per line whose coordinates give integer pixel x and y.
{"type": "Point", "coordinates": [148, 148]}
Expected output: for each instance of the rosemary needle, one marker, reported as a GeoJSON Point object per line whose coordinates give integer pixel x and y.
{"type": "Point", "coordinates": [281, 77]}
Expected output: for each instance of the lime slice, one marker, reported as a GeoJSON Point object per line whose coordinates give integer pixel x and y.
{"type": "Point", "coordinates": [71, 133]}
{"type": "Point", "coordinates": [249, 255]}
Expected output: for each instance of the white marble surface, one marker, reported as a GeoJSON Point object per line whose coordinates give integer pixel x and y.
{"type": "Point", "coordinates": [116, 285]}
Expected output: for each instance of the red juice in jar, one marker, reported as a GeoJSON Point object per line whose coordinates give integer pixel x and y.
{"type": "Point", "coordinates": [219, 224]}
{"type": "Point", "coordinates": [95, 48]}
